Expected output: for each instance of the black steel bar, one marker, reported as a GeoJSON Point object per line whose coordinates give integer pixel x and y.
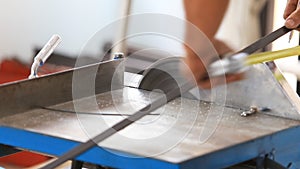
{"type": "Point", "coordinates": [91, 113]}
{"type": "Point", "coordinates": [265, 40]}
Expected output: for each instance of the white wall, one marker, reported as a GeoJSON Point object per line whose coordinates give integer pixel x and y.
{"type": "Point", "coordinates": [173, 8]}
{"type": "Point", "coordinates": [28, 24]}
{"type": "Point", "coordinates": [289, 66]}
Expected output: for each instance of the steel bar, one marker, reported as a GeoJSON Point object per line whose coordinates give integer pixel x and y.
{"type": "Point", "coordinates": [265, 40]}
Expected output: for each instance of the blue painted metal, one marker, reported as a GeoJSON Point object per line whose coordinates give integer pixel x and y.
{"type": "Point", "coordinates": [57, 146]}
{"type": "Point", "coordinates": [286, 144]}
{"type": "Point", "coordinates": [279, 142]}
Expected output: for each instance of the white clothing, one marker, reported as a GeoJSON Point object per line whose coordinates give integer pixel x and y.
{"type": "Point", "coordinates": [241, 25]}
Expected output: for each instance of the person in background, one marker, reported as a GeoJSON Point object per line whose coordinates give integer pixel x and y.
{"type": "Point", "coordinates": [208, 16]}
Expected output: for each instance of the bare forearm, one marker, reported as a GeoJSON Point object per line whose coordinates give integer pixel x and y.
{"type": "Point", "coordinates": [207, 15]}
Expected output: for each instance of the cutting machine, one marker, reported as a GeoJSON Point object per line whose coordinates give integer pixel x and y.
{"type": "Point", "coordinates": [203, 129]}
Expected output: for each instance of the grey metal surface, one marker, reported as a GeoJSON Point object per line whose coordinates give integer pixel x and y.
{"type": "Point", "coordinates": [184, 130]}
{"type": "Point", "coordinates": [174, 136]}
{"type": "Point", "coordinates": [261, 89]}
{"type": "Point", "coordinates": [165, 74]}
{"type": "Point", "coordinates": [57, 88]}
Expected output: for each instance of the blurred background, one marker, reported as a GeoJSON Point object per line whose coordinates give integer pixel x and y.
{"type": "Point", "coordinates": [27, 25]}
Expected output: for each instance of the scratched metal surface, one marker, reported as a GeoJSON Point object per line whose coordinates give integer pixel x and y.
{"type": "Point", "coordinates": [184, 129]}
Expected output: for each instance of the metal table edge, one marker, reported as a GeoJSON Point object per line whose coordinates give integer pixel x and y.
{"type": "Point", "coordinates": [55, 146]}
{"type": "Point", "coordinates": [276, 142]}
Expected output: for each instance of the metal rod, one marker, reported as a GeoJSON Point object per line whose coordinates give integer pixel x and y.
{"type": "Point", "coordinates": [91, 113]}
{"type": "Point", "coordinates": [120, 39]}
{"type": "Point", "coordinates": [265, 40]}
{"type": "Point", "coordinates": [271, 56]}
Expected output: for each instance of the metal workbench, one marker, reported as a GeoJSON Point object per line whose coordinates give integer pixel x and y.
{"type": "Point", "coordinates": [182, 134]}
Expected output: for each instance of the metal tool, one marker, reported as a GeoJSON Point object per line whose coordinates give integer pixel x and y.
{"type": "Point", "coordinates": [238, 62]}
{"type": "Point", "coordinates": [169, 95]}
{"type": "Point", "coordinates": [230, 65]}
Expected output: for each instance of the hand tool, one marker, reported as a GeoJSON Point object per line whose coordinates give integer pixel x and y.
{"type": "Point", "coordinates": [238, 62]}
{"type": "Point", "coordinates": [158, 102]}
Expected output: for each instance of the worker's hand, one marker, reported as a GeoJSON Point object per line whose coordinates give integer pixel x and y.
{"type": "Point", "coordinates": [199, 70]}
{"type": "Point", "coordinates": [292, 14]}
{"type": "Point", "coordinates": [221, 47]}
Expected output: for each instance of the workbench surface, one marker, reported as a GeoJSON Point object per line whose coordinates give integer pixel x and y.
{"type": "Point", "coordinates": [183, 134]}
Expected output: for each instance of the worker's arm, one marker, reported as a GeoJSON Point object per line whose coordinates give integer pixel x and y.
{"type": "Point", "coordinates": [292, 14]}
{"type": "Point", "coordinates": [207, 16]}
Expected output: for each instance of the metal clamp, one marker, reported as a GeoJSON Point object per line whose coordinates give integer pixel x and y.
{"type": "Point", "coordinates": [229, 65]}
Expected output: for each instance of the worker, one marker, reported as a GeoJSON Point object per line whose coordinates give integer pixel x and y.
{"type": "Point", "coordinates": [208, 16]}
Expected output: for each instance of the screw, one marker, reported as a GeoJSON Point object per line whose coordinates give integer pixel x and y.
{"type": "Point", "coordinates": [252, 110]}
{"type": "Point", "coordinates": [118, 55]}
